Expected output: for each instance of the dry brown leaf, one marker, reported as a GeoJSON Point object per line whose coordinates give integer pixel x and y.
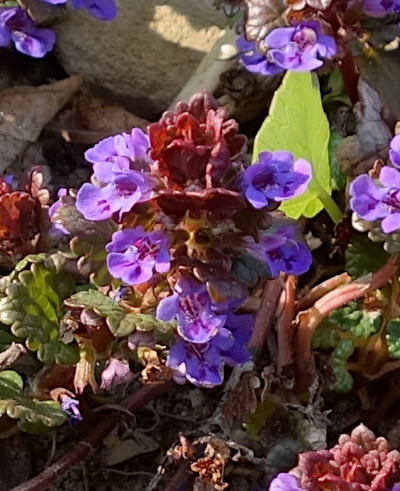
{"type": "Point", "coordinates": [121, 450]}
{"type": "Point", "coordinates": [356, 154]}
{"type": "Point", "coordinates": [25, 111]}
{"type": "Point", "coordinates": [242, 400]}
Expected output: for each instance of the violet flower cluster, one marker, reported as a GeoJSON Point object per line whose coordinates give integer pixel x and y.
{"type": "Point", "coordinates": [19, 29]}
{"type": "Point", "coordinates": [298, 48]}
{"type": "Point", "coordinates": [378, 199]}
{"type": "Point", "coordinates": [188, 207]}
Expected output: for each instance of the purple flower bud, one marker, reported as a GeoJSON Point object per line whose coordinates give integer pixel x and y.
{"type": "Point", "coordinates": [281, 251]}
{"type": "Point", "coordinates": [378, 199]}
{"type": "Point", "coordinates": [57, 230]}
{"type": "Point", "coordinates": [71, 407]}
{"type": "Point", "coordinates": [99, 9]}
{"type": "Point", "coordinates": [394, 152]}
{"type": "Point", "coordinates": [134, 255]}
{"type": "Point", "coordinates": [17, 27]}
{"type": "Point", "coordinates": [116, 372]}
{"type": "Point", "coordinates": [191, 305]}
{"type": "Point", "coordinates": [285, 482]}
{"type": "Point", "coordinates": [273, 178]}
{"type": "Point", "coordinates": [119, 153]}
{"type": "Point", "coordinates": [119, 195]}
{"type": "Point", "coordinates": [296, 48]}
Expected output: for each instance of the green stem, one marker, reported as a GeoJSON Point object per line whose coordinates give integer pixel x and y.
{"type": "Point", "coordinates": [330, 206]}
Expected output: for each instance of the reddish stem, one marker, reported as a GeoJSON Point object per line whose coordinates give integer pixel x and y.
{"type": "Point", "coordinates": [284, 326]}
{"type": "Point", "coordinates": [321, 290]}
{"type": "Point", "coordinates": [309, 320]}
{"type": "Point", "coordinates": [82, 449]}
{"type": "Point", "coordinates": [265, 316]}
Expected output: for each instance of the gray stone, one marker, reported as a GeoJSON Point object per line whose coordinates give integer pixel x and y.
{"type": "Point", "coordinates": [146, 54]}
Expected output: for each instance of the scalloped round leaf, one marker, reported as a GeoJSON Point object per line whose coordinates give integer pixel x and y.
{"type": "Point", "coordinates": [33, 309]}
{"type": "Point", "coordinates": [393, 338]}
{"type": "Point", "coordinates": [16, 405]}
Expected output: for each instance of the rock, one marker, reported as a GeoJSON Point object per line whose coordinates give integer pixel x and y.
{"type": "Point", "coordinates": [144, 55]}
{"type": "Point", "coordinates": [25, 111]}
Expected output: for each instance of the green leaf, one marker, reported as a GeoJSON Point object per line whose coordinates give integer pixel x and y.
{"type": "Point", "coordinates": [325, 337]}
{"type": "Point", "coordinates": [393, 338]}
{"type": "Point", "coordinates": [261, 415]}
{"type": "Point", "coordinates": [335, 92]}
{"type": "Point", "coordinates": [360, 322]}
{"type": "Point", "coordinates": [30, 412]}
{"type": "Point", "coordinates": [364, 256]}
{"type": "Point", "coordinates": [338, 178]}
{"type": "Point", "coordinates": [342, 352]}
{"type": "Point", "coordinates": [120, 322]}
{"type": "Point", "coordinates": [33, 307]}
{"type": "Point", "coordinates": [297, 123]}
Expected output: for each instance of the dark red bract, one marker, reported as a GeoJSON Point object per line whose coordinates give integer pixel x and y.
{"type": "Point", "coordinates": [195, 144]}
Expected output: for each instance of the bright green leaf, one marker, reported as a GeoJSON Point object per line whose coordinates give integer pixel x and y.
{"type": "Point", "coordinates": [360, 322]}
{"type": "Point", "coordinates": [297, 123]}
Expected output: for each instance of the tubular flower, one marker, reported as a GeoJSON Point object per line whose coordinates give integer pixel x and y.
{"type": "Point", "coordinates": [134, 255]}
{"type": "Point", "coordinates": [71, 407]}
{"type": "Point", "coordinates": [378, 199]}
{"type": "Point", "coordinates": [281, 251]}
{"type": "Point", "coordinates": [119, 153]}
{"type": "Point", "coordinates": [297, 48]}
{"type": "Point", "coordinates": [285, 482]}
{"type": "Point", "coordinates": [274, 178]}
{"type": "Point", "coordinates": [380, 8]}
{"type": "Point", "coordinates": [191, 305]}
{"type": "Point", "coordinates": [394, 151]}
{"type": "Point", "coordinates": [203, 364]}
{"type": "Point", "coordinates": [18, 28]}
{"type": "Point", "coordinates": [119, 195]}
{"type": "Point", "coordinates": [99, 9]}
{"type": "Point", "coordinates": [116, 372]}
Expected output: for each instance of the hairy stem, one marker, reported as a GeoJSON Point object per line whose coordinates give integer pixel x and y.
{"type": "Point", "coordinates": [82, 449]}
{"type": "Point", "coordinates": [284, 326]}
{"type": "Point", "coordinates": [309, 320]}
{"type": "Point", "coordinates": [265, 316]}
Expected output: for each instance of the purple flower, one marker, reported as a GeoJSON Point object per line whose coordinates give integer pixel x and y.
{"type": "Point", "coordinates": [281, 251]}
{"type": "Point", "coordinates": [100, 9]}
{"type": "Point", "coordinates": [378, 199]}
{"type": "Point", "coordinates": [134, 255]}
{"type": "Point", "coordinates": [274, 178]}
{"type": "Point", "coordinates": [121, 193]}
{"type": "Point", "coordinates": [57, 230]}
{"type": "Point", "coordinates": [17, 27]}
{"type": "Point", "coordinates": [296, 48]}
{"type": "Point", "coordinates": [71, 407]}
{"type": "Point", "coordinates": [119, 153]}
{"type": "Point", "coordinates": [285, 482]}
{"type": "Point", "coordinates": [203, 364]}
{"type": "Point", "coordinates": [254, 61]}
{"type": "Point", "coordinates": [379, 8]}
{"type": "Point", "coordinates": [116, 372]}
{"type": "Point", "coordinates": [394, 152]}
{"type": "Point", "coordinates": [191, 305]}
